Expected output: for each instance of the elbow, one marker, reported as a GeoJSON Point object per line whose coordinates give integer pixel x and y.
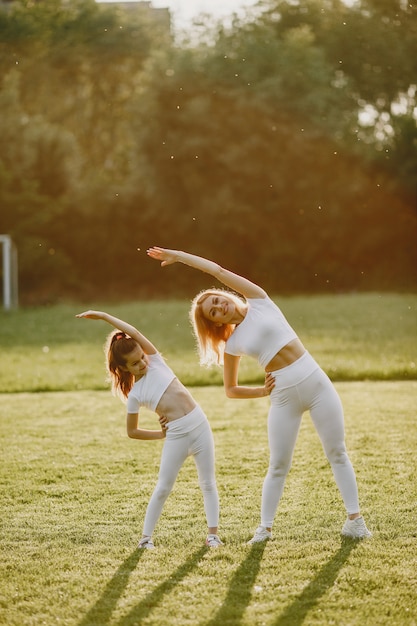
{"type": "Point", "coordinates": [220, 273]}
{"type": "Point", "coordinates": [230, 392]}
{"type": "Point", "coordinates": [132, 425]}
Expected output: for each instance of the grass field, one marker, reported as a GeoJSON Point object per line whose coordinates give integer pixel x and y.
{"type": "Point", "coordinates": [74, 488]}
{"type": "Point", "coordinates": [354, 337]}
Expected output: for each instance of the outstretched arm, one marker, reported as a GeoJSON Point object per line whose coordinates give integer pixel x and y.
{"type": "Point", "coordinates": [130, 330]}
{"type": "Point", "coordinates": [234, 281]}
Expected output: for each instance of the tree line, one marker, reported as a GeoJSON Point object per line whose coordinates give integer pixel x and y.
{"type": "Point", "coordinates": [283, 145]}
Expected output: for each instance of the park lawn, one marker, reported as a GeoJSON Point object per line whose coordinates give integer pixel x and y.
{"type": "Point", "coordinates": [74, 490]}
{"type": "Point", "coordinates": [353, 337]}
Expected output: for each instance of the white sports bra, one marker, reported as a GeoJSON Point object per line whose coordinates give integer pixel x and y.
{"type": "Point", "coordinates": [148, 390]}
{"type": "Point", "coordinates": [263, 332]}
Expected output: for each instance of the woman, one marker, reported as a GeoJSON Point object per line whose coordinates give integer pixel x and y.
{"type": "Point", "coordinates": [139, 374]}
{"type": "Point", "coordinates": [227, 327]}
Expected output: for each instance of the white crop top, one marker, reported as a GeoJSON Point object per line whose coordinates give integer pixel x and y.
{"type": "Point", "coordinates": [263, 332]}
{"type": "Point", "coordinates": [148, 390]}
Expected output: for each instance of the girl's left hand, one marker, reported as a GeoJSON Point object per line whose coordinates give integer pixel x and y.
{"type": "Point", "coordinates": [164, 422]}
{"type": "Point", "coordinates": [92, 315]}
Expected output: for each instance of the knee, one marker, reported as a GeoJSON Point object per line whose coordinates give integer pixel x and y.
{"type": "Point", "coordinates": [337, 455]}
{"type": "Point", "coordinates": [163, 490]}
{"type": "Point", "coordinates": [279, 468]}
{"type": "Point", "coordinates": [208, 485]}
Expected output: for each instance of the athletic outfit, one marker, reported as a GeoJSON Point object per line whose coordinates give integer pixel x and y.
{"type": "Point", "coordinates": [148, 390]}
{"type": "Point", "coordinates": [299, 387]}
{"type": "Point", "coordinates": [263, 332]}
{"type": "Point", "coordinates": [188, 435]}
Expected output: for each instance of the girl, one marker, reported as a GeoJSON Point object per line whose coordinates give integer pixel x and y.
{"type": "Point", "coordinates": [227, 327]}
{"type": "Point", "coordinates": [139, 374]}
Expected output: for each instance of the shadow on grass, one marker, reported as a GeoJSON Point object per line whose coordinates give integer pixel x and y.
{"type": "Point", "coordinates": [296, 612]}
{"type": "Point", "coordinates": [240, 589]}
{"type": "Point", "coordinates": [100, 614]}
{"type": "Point", "coordinates": [143, 608]}
{"type": "Point", "coordinates": [103, 609]}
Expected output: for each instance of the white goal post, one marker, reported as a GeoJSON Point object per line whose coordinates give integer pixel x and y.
{"type": "Point", "coordinates": [9, 273]}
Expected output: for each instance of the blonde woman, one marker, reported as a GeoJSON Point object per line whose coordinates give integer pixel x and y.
{"type": "Point", "coordinates": [228, 327]}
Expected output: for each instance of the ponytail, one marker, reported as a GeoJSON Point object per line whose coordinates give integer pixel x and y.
{"type": "Point", "coordinates": [117, 347]}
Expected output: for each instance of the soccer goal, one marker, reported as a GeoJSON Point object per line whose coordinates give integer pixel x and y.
{"type": "Point", "coordinates": [9, 273]}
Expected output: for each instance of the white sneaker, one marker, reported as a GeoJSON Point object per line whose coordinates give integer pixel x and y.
{"type": "Point", "coordinates": [146, 542]}
{"type": "Point", "coordinates": [213, 541]}
{"type": "Point", "coordinates": [261, 534]}
{"type": "Point", "coordinates": [356, 528]}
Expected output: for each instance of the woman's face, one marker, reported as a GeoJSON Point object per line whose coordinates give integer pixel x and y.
{"type": "Point", "coordinates": [219, 309]}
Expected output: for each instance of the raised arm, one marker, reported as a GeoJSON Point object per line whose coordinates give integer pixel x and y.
{"type": "Point", "coordinates": [130, 330]}
{"type": "Point", "coordinates": [234, 281]}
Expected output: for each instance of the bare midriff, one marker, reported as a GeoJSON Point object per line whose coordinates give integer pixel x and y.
{"type": "Point", "coordinates": [176, 401]}
{"type": "Point", "coordinates": [287, 355]}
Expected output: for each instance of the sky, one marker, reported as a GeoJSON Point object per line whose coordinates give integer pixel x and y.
{"type": "Point", "coordinates": [183, 11]}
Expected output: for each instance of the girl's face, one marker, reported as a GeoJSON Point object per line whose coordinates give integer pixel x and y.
{"type": "Point", "coordinates": [136, 362]}
{"type": "Point", "coordinates": [220, 309]}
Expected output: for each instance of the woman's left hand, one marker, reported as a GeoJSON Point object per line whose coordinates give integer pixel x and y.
{"type": "Point", "coordinates": [164, 422]}
{"type": "Point", "coordinates": [269, 383]}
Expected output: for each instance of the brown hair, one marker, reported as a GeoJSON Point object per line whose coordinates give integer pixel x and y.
{"type": "Point", "coordinates": [210, 338]}
{"type": "Point", "coordinates": [117, 347]}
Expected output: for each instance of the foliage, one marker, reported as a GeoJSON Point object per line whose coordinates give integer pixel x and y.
{"type": "Point", "coordinates": [38, 168]}
{"type": "Point", "coordinates": [73, 495]}
{"type": "Point", "coordinates": [286, 141]}
{"type": "Point", "coordinates": [370, 50]}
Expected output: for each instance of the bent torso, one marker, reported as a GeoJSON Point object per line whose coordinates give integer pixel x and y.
{"type": "Point", "coordinates": [176, 401]}
{"type": "Point", "coordinates": [287, 355]}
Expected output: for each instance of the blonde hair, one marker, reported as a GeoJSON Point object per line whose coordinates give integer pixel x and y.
{"type": "Point", "coordinates": [210, 338]}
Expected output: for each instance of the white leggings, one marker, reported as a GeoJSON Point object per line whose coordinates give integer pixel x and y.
{"type": "Point", "coordinates": [188, 435]}
{"type": "Point", "coordinates": [300, 387]}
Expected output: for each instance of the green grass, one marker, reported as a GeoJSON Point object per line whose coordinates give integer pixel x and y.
{"type": "Point", "coordinates": [354, 337]}
{"type": "Point", "coordinates": [74, 490]}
